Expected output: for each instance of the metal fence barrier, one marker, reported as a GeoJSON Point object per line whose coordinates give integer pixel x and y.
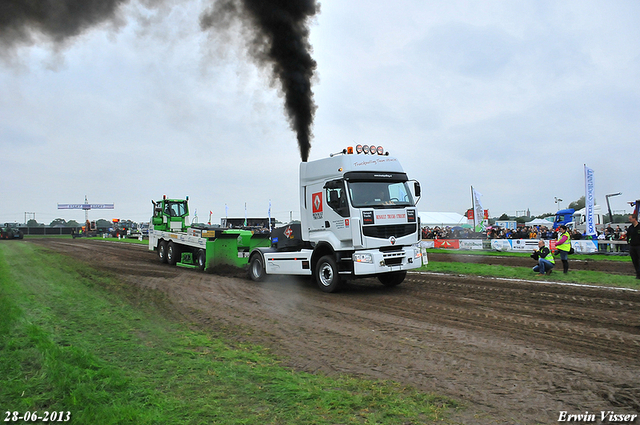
{"type": "Point", "coordinates": [48, 231]}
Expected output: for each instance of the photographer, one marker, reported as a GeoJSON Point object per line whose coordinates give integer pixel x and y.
{"type": "Point", "coordinates": [545, 259]}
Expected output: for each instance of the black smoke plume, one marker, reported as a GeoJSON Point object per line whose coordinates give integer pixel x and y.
{"type": "Point", "coordinates": [277, 36]}
{"type": "Point", "coordinates": [23, 21]}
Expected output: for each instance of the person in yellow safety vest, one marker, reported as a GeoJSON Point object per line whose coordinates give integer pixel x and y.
{"type": "Point", "coordinates": [563, 245]}
{"type": "Point", "coordinates": [545, 259]}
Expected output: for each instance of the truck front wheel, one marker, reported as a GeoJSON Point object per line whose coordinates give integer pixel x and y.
{"type": "Point", "coordinates": [162, 251]}
{"type": "Point", "coordinates": [256, 268]}
{"type": "Point", "coordinates": [393, 278]}
{"type": "Point", "coordinates": [326, 275]}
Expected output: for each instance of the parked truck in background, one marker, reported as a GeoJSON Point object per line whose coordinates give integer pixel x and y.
{"type": "Point", "coordinates": [579, 219]}
{"type": "Point", "coordinates": [576, 220]}
{"type": "Point", "coordinates": [563, 217]}
{"type": "Point", "coordinates": [10, 231]}
{"type": "Point", "coordinates": [358, 219]}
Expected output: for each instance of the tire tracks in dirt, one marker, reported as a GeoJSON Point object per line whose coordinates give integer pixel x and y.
{"type": "Point", "coordinates": [517, 352]}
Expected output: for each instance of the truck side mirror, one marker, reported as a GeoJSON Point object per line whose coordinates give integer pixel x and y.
{"type": "Point", "coordinates": [416, 189]}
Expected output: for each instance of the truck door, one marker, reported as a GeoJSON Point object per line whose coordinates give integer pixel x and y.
{"type": "Point", "coordinates": [337, 215]}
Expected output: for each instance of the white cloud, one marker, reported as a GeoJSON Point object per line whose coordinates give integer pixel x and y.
{"type": "Point", "coordinates": [512, 98]}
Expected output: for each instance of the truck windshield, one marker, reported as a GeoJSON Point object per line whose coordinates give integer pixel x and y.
{"type": "Point", "coordinates": [176, 209]}
{"type": "Point", "coordinates": [380, 194]}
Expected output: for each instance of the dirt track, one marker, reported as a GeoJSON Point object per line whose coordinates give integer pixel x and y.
{"type": "Point", "coordinates": [515, 352]}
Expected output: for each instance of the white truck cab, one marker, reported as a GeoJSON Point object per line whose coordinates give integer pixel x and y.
{"type": "Point", "coordinates": [358, 218]}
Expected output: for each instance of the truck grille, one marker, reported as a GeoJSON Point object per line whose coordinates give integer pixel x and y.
{"type": "Point", "coordinates": [385, 232]}
{"type": "Point", "coordinates": [393, 259]}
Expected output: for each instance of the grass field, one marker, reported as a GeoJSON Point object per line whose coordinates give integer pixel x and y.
{"type": "Point", "coordinates": [509, 272]}
{"type": "Point", "coordinates": [74, 339]}
{"type": "Point", "coordinates": [96, 238]}
{"type": "Point", "coordinates": [590, 257]}
{"type": "Point", "coordinates": [574, 276]}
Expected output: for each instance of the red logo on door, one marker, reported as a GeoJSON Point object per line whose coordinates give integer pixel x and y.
{"type": "Point", "coordinates": [317, 202]}
{"type": "Point", "coordinates": [316, 205]}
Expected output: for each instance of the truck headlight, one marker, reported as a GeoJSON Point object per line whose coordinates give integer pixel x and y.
{"type": "Point", "coordinates": [362, 258]}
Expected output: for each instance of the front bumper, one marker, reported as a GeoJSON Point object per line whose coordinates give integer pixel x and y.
{"type": "Point", "coordinates": [384, 262]}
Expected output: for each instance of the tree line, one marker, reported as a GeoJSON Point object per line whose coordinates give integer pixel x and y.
{"type": "Point", "coordinates": [61, 222]}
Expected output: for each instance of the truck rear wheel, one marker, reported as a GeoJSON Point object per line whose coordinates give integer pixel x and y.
{"type": "Point", "coordinates": [173, 253]}
{"type": "Point", "coordinates": [393, 278]}
{"type": "Point", "coordinates": [162, 251]}
{"type": "Point", "coordinates": [326, 274]}
{"type": "Point", "coordinates": [256, 268]}
{"type": "Point", "coordinates": [201, 259]}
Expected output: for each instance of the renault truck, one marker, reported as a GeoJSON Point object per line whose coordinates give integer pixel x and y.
{"type": "Point", "coordinates": [358, 218]}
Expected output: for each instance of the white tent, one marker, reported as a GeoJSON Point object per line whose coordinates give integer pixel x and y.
{"type": "Point", "coordinates": [441, 219]}
{"type": "Point", "coordinates": [539, 222]}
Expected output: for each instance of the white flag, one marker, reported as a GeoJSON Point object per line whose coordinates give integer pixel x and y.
{"type": "Point", "coordinates": [478, 212]}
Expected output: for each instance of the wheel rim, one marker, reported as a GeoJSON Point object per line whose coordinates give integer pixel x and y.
{"type": "Point", "coordinates": [256, 268]}
{"type": "Point", "coordinates": [326, 275]}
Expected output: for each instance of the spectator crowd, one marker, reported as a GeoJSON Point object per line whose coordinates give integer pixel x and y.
{"type": "Point", "coordinates": [604, 234]}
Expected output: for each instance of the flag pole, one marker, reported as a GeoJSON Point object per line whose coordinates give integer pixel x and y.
{"type": "Point", "coordinates": [473, 208]}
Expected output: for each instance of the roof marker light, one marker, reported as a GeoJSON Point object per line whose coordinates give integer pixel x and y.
{"type": "Point", "coordinates": [350, 150]}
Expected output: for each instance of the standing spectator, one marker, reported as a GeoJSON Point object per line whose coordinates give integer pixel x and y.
{"type": "Point", "coordinates": [602, 247]}
{"type": "Point", "coordinates": [609, 230]}
{"type": "Point", "coordinates": [624, 247]}
{"type": "Point", "coordinates": [617, 234]}
{"type": "Point", "coordinates": [563, 245]}
{"type": "Point", "coordinates": [633, 239]}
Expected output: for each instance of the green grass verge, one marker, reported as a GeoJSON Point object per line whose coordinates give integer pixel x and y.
{"type": "Point", "coordinates": [96, 238]}
{"type": "Point", "coordinates": [123, 240]}
{"type": "Point", "coordinates": [75, 339]}
{"type": "Point", "coordinates": [47, 236]}
{"type": "Point", "coordinates": [587, 257]}
{"type": "Point", "coordinates": [574, 276]}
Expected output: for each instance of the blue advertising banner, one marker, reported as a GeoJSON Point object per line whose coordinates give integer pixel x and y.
{"type": "Point", "coordinates": [589, 199]}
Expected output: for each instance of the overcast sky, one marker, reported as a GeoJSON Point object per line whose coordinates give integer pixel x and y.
{"type": "Point", "coordinates": [512, 98]}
